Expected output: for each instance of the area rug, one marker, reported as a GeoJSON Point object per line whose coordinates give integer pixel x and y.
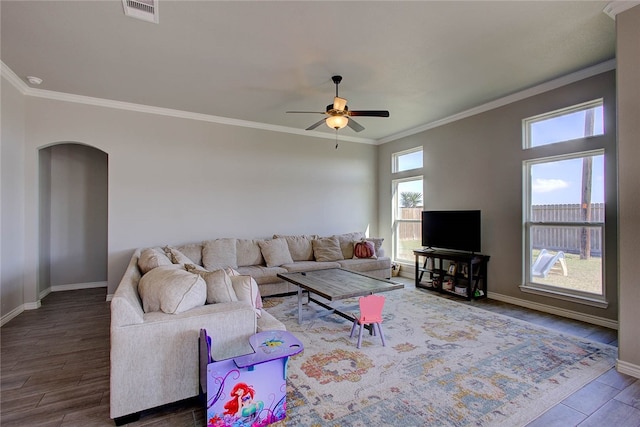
{"type": "Point", "coordinates": [444, 364]}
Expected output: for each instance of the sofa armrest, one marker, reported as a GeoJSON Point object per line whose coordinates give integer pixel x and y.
{"type": "Point", "coordinates": [126, 307]}
{"type": "Point", "coordinates": [156, 362]}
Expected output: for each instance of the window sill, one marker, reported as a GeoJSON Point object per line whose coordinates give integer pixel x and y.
{"type": "Point", "coordinates": [592, 300]}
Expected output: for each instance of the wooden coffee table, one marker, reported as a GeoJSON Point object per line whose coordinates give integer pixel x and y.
{"type": "Point", "coordinates": [336, 284]}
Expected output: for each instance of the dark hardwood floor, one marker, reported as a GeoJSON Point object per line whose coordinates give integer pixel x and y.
{"type": "Point", "coordinates": [55, 370]}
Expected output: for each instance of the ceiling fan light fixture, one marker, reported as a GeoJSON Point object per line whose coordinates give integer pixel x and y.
{"type": "Point", "coordinates": [339, 103]}
{"type": "Point", "coordinates": [337, 122]}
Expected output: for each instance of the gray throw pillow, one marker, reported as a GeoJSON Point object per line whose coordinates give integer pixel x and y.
{"type": "Point", "coordinates": [171, 290]}
{"type": "Point", "coordinates": [327, 249]}
{"type": "Point", "coordinates": [219, 287]}
{"type": "Point", "coordinates": [219, 253]}
{"type": "Point", "coordinates": [275, 252]}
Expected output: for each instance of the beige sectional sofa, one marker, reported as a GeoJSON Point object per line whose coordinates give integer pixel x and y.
{"type": "Point", "coordinates": [259, 259]}
{"type": "Point", "coordinates": [154, 342]}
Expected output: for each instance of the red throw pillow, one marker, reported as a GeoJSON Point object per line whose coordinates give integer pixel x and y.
{"type": "Point", "coordinates": [364, 249]}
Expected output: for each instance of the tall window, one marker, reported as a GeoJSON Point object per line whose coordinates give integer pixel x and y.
{"type": "Point", "coordinates": [407, 203]}
{"type": "Point", "coordinates": [564, 209]}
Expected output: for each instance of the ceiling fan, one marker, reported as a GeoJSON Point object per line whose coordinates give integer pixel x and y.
{"type": "Point", "coordinates": [339, 115]}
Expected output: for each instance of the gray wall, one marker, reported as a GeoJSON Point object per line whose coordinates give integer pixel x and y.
{"type": "Point", "coordinates": [476, 163]}
{"type": "Point", "coordinates": [11, 198]}
{"type": "Point", "coordinates": [628, 72]}
{"type": "Point", "coordinates": [174, 180]}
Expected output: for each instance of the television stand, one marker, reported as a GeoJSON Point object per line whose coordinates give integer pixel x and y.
{"type": "Point", "coordinates": [463, 274]}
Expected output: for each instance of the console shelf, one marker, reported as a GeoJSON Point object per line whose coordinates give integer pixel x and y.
{"type": "Point", "coordinates": [459, 273]}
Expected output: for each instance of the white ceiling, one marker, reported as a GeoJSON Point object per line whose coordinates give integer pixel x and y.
{"type": "Point", "coordinates": [252, 61]}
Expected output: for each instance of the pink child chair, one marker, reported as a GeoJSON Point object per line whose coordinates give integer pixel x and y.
{"type": "Point", "coordinates": [370, 314]}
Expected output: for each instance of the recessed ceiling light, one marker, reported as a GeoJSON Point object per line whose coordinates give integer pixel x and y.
{"type": "Point", "coordinates": [34, 80]}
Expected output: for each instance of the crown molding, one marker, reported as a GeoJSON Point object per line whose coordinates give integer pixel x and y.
{"type": "Point", "coordinates": [129, 106]}
{"type": "Point", "coordinates": [615, 7]}
{"type": "Point", "coordinates": [518, 96]}
{"type": "Point", "coordinates": [16, 81]}
{"type": "Point", "coordinates": [509, 99]}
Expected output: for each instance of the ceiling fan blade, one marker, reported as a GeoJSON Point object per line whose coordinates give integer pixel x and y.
{"type": "Point", "coordinates": [369, 113]}
{"type": "Point", "coordinates": [339, 103]}
{"type": "Point", "coordinates": [355, 125]}
{"type": "Point", "coordinates": [309, 112]}
{"type": "Point", "coordinates": [315, 125]}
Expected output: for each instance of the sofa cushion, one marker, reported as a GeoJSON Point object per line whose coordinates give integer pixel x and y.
{"type": "Point", "coordinates": [171, 290]}
{"type": "Point", "coordinates": [299, 266]}
{"type": "Point", "coordinates": [193, 251]}
{"type": "Point", "coordinates": [151, 258]}
{"type": "Point", "coordinates": [219, 288]}
{"type": "Point", "coordinates": [275, 252]}
{"type": "Point", "coordinates": [346, 242]}
{"type": "Point", "coordinates": [246, 289]}
{"type": "Point", "coordinates": [364, 265]}
{"type": "Point", "coordinates": [219, 253]}
{"type": "Point", "coordinates": [327, 249]}
{"type": "Point", "coordinates": [262, 274]}
{"type": "Point", "coordinates": [248, 252]}
{"type": "Point", "coordinates": [300, 247]}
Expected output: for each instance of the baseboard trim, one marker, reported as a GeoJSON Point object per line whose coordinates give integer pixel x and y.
{"type": "Point", "coordinates": [10, 315]}
{"type": "Point", "coordinates": [43, 294]}
{"type": "Point", "coordinates": [628, 368]}
{"type": "Point", "coordinates": [594, 320]}
{"type": "Point", "coordinates": [76, 286]}
{"type": "Point", "coordinates": [588, 318]}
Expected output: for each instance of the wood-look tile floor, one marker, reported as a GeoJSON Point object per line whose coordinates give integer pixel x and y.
{"type": "Point", "coordinates": [55, 370]}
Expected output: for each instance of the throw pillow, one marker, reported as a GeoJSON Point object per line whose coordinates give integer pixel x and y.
{"type": "Point", "coordinates": [219, 287]}
{"type": "Point", "coordinates": [327, 249]}
{"type": "Point", "coordinates": [346, 242]}
{"type": "Point", "coordinates": [246, 289]}
{"type": "Point", "coordinates": [248, 252]}
{"type": "Point", "coordinates": [193, 251]}
{"type": "Point", "coordinates": [196, 269]}
{"type": "Point", "coordinates": [364, 249]}
{"type": "Point", "coordinates": [275, 252]}
{"type": "Point", "coordinates": [300, 247]}
{"type": "Point", "coordinates": [231, 272]}
{"type": "Point", "coordinates": [219, 253]}
{"type": "Point", "coordinates": [171, 290]}
{"type": "Point", "coordinates": [176, 256]}
{"type": "Point", "coordinates": [377, 243]}
{"type": "Point", "coordinates": [151, 258]}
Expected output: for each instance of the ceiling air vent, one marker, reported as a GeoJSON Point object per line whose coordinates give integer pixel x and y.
{"type": "Point", "coordinates": [146, 10]}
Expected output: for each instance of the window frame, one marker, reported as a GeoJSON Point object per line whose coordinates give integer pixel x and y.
{"type": "Point", "coordinates": [396, 221]}
{"type": "Point", "coordinates": [395, 160]}
{"type": "Point", "coordinates": [526, 123]}
{"type": "Point", "coordinates": [529, 285]}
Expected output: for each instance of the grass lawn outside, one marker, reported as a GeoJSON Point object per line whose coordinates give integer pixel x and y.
{"type": "Point", "coordinates": [582, 274]}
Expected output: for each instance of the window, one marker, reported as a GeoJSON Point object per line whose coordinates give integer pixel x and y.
{"type": "Point", "coordinates": [564, 209]}
{"type": "Point", "coordinates": [575, 122]}
{"type": "Point", "coordinates": [407, 221]}
{"type": "Point", "coordinates": [407, 160]}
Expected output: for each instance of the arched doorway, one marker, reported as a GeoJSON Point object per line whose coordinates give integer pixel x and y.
{"type": "Point", "coordinates": [73, 200]}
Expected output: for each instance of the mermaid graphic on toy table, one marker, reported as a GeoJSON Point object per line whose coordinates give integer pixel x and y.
{"type": "Point", "coordinates": [242, 404]}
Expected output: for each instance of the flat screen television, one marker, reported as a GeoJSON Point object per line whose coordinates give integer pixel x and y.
{"type": "Point", "coordinates": [458, 230]}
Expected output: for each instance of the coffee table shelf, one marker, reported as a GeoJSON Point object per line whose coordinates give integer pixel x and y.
{"type": "Point", "coordinates": [336, 284]}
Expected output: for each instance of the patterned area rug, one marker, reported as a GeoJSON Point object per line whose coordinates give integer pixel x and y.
{"type": "Point", "coordinates": [445, 364]}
